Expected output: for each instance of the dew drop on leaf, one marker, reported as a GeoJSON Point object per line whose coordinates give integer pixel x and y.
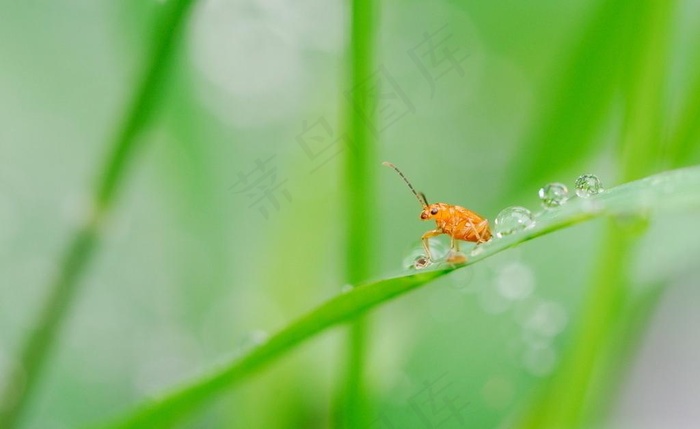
{"type": "Point", "coordinates": [588, 185]}
{"type": "Point", "coordinates": [421, 262]}
{"type": "Point", "coordinates": [553, 195]}
{"type": "Point", "coordinates": [513, 219]}
{"type": "Point", "coordinates": [476, 251]}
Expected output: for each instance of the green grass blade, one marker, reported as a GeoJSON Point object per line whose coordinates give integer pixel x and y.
{"type": "Point", "coordinates": [567, 401]}
{"type": "Point", "coordinates": [360, 166]}
{"type": "Point", "coordinates": [685, 139]}
{"type": "Point", "coordinates": [644, 86]}
{"type": "Point", "coordinates": [360, 161]}
{"type": "Point", "coordinates": [22, 381]}
{"type": "Point", "coordinates": [674, 190]}
{"type": "Point", "coordinates": [176, 405]}
{"type": "Point", "coordinates": [625, 343]}
{"type": "Point", "coordinates": [146, 97]}
{"type": "Point", "coordinates": [570, 117]}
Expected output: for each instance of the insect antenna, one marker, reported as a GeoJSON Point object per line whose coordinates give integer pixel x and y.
{"type": "Point", "coordinates": [421, 196]}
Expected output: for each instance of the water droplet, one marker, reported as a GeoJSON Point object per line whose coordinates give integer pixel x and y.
{"type": "Point", "coordinates": [513, 219]}
{"type": "Point", "coordinates": [553, 195]}
{"type": "Point", "coordinates": [417, 260]}
{"type": "Point", "coordinates": [438, 249]}
{"type": "Point", "coordinates": [540, 361]}
{"type": "Point", "coordinates": [346, 288]}
{"type": "Point", "coordinates": [588, 185]}
{"type": "Point", "coordinates": [477, 250]}
{"type": "Point", "coordinates": [421, 262]}
{"type": "Point", "coordinates": [546, 318]}
{"type": "Point", "coordinates": [515, 281]}
{"type": "Point", "coordinates": [493, 302]}
{"type": "Point", "coordinates": [533, 339]}
{"type": "Point", "coordinates": [462, 279]}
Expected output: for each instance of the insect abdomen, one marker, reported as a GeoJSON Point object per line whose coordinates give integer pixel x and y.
{"type": "Point", "coordinates": [465, 225]}
{"type": "Point", "coordinates": [478, 233]}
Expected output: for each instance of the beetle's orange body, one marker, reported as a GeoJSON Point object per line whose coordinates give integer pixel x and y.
{"type": "Point", "coordinates": [455, 221]}
{"type": "Point", "coordinates": [458, 222]}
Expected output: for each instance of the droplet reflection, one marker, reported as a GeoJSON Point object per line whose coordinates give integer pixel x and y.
{"type": "Point", "coordinates": [588, 185]}
{"type": "Point", "coordinates": [513, 219]}
{"type": "Point", "coordinates": [547, 318]}
{"type": "Point", "coordinates": [540, 361]}
{"type": "Point", "coordinates": [515, 281]}
{"type": "Point", "coordinates": [421, 262]}
{"type": "Point", "coordinates": [553, 195]}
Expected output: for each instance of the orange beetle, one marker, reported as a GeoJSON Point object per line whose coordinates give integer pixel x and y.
{"type": "Point", "coordinates": [455, 221]}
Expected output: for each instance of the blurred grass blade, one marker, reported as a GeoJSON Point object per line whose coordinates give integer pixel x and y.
{"type": "Point", "coordinates": [673, 190]}
{"type": "Point", "coordinates": [176, 405]}
{"type": "Point", "coordinates": [567, 401]}
{"type": "Point", "coordinates": [24, 378]}
{"type": "Point", "coordinates": [626, 339]}
{"type": "Point", "coordinates": [685, 139]}
{"type": "Point", "coordinates": [360, 164]}
{"type": "Point", "coordinates": [644, 87]}
{"type": "Point", "coordinates": [563, 133]}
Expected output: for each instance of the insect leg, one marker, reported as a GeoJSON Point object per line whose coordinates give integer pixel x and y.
{"type": "Point", "coordinates": [478, 230]}
{"type": "Point", "coordinates": [454, 244]}
{"type": "Point", "coordinates": [454, 257]}
{"type": "Point", "coordinates": [484, 224]}
{"type": "Point", "coordinates": [426, 244]}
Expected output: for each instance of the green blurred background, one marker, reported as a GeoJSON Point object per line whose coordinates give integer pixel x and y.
{"type": "Point", "coordinates": [231, 219]}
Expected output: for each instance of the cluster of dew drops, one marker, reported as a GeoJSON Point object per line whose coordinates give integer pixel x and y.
{"type": "Point", "coordinates": [514, 219]}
